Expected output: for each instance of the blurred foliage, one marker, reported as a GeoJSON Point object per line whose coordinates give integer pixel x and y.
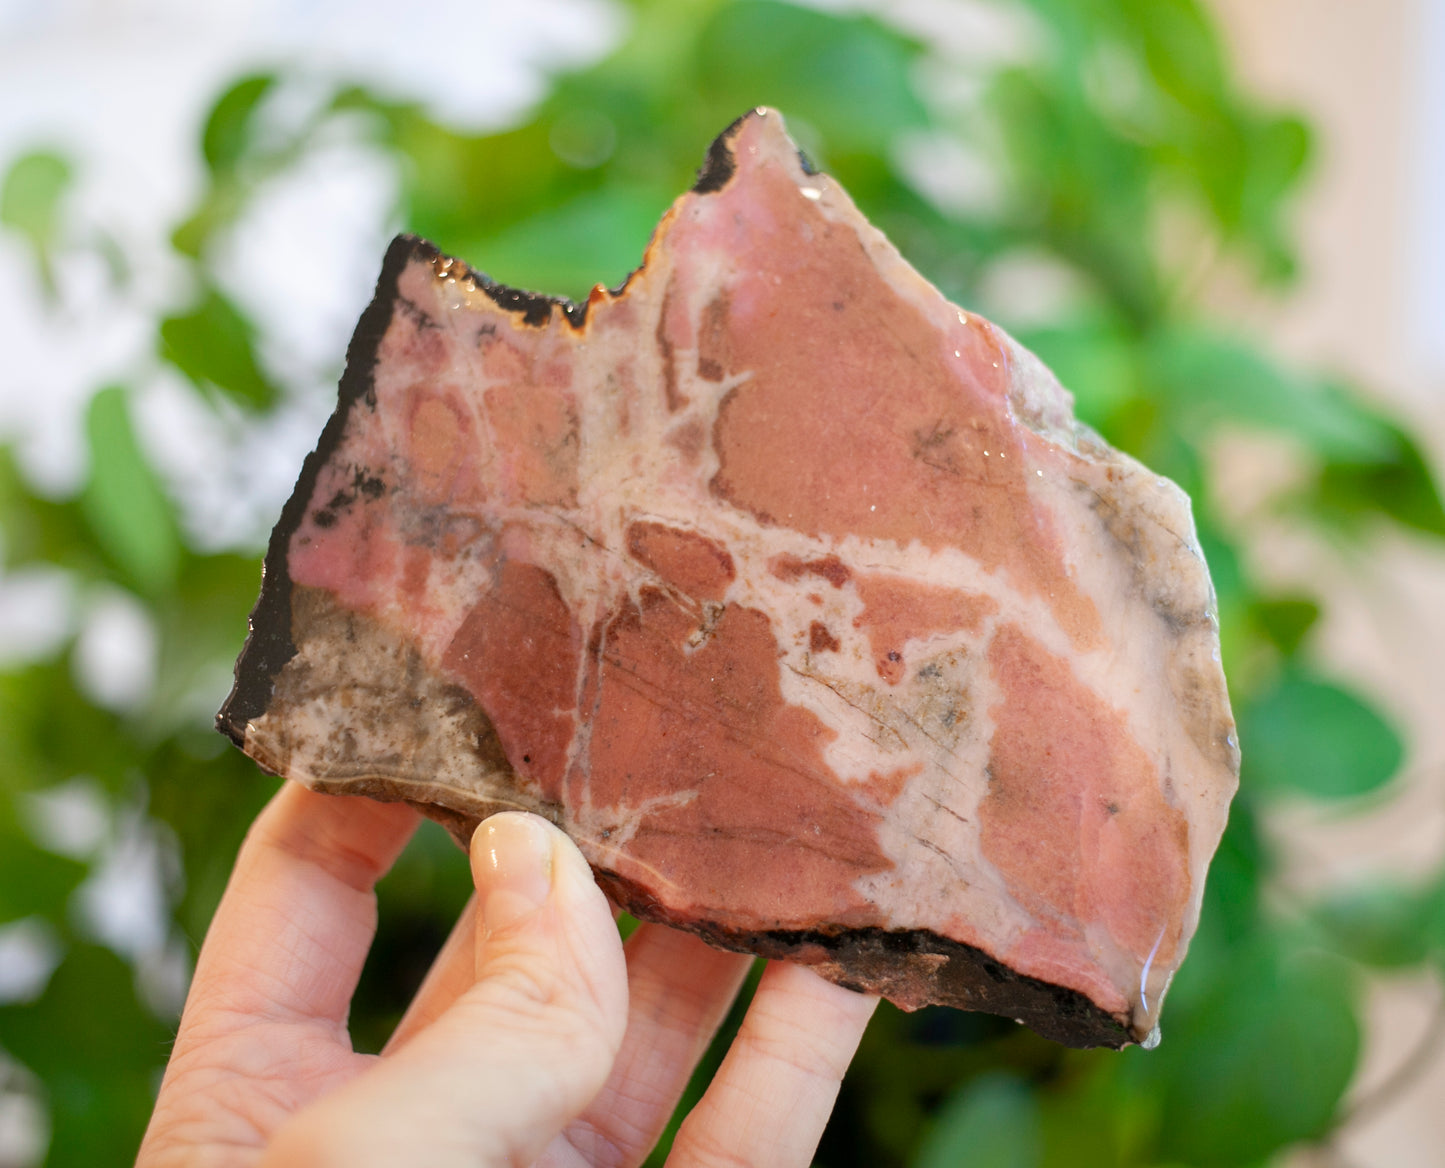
{"type": "Point", "coordinates": [1118, 148]}
{"type": "Point", "coordinates": [214, 345]}
{"type": "Point", "coordinates": [30, 200]}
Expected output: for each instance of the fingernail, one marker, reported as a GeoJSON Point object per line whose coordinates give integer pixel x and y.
{"type": "Point", "coordinates": [512, 865]}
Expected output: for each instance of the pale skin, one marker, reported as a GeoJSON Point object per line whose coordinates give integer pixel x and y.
{"type": "Point", "coordinates": [537, 1037]}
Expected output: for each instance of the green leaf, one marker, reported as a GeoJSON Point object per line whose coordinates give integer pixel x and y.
{"type": "Point", "coordinates": [1208, 380]}
{"type": "Point", "coordinates": [36, 530]}
{"type": "Point", "coordinates": [32, 880]}
{"type": "Point", "coordinates": [597, 238]}
{"type": "Point", "coordinates": [229, 128]}
{"type": "Point", "coordinates": [1220, 553]}
{"type": "Point", "coordinates": [1435, 922]}
{"type": "Point", "coordinates": [213, 344]}
{"type": "Point", "coordinates": [31, 195]}
{"type": "Point", "coordinates": [1398, 484]}
{"type": "Point", "coordinates": [992, 1122]}
{"type": "Point", "coordinates": [846, 79]}
{"type": "Point", "coordinates": [31, 200]}
{"type": "Point", "coordinates": [201, 625]}
{"type": "Point", "coordinates": [454, 185]}
{"type": "Point", "coordinates": [97, 1051]}
{"type": "Point", "coordinates": [1285, 620]}
{"type": "Point", "coordinates": [1089, 1118]}
{"type": "Point", "coordinates": [1260, 1062]}
{"type": "Point", "coordinates": [1380, 923]}
{"type": "Point", "coordinates": [1319, 738]}
{"type": "Point", "coordinates": [128, 512]}
{"type": "Point", "coordinates": [50, 733]}
{"type": "Point", "coordinates": [1077, 187]}
{"type": "Point", "coordinates": [1278, 150]}
{"type": "Point", "coordinates": [1095, 360]}
{"type": "Point", "coordinates": [1181, 48]}
{"type": "Point", "coordinates": [1237, 872]}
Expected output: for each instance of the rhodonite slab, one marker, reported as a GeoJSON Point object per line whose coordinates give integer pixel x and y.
{"type": "Point", "coordinates": [791, 591]}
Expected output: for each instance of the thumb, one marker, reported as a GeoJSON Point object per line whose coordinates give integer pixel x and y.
{"type": "Point", "coordinates": [521, 1052]}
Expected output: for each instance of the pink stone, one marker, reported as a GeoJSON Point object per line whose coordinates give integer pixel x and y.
{"type": "Point", "coordinates": [791, 591]}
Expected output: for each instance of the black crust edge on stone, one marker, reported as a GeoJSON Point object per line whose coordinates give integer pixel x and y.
{"type": "Point", "coordinates": [721, 162]}
{"type": "Point", "coordinates": [268, 644]}
{"type": "Point", "coordinates": [535, 307]}
{"type": "Point", "coordinates": [969, 979]}
{"type": "Point", "coordinates": [717, 170]}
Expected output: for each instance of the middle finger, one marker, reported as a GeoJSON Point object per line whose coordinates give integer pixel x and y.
{"type": "Point", "coordinates": [680, 990]}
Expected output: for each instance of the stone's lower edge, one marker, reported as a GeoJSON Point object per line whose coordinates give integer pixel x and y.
{"type": "Point", "coordinates": [909, 967]}
{"type": "Point", "coordinates": [459, 824]}
{"type": "Point", "coordinates": [456, 773]}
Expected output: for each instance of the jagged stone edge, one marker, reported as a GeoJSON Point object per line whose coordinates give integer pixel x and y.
{"type": "Point", "coordinates": [268, 644]}
{"type": "Point", "coordinates": [1055, 1012]}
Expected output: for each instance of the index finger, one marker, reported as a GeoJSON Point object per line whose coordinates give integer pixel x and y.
{"type": "Point", "coordinates": [299, 913]}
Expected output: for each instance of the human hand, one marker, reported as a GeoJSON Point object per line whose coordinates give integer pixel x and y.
{"type": "Point", "coordinates": [534, 1039]}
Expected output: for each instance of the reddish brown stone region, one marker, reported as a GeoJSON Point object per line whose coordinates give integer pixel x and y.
{"type": "Point", "coordinates": [713, 357]}
{"type": "Point", "coordinates": [1074, 818]}
{"type": "Point", "coordinates": [829, 568]}
{"type": "Point", "coordinates": [821, 639]}
{"type": "Point", "coordinates": [896, 610]}
{"type": "Point", "coordinates": [518, 653]}
{"type": "Point", "coordinates": [690, 562]}
{"type": "Point", "coordinates": [753, 820]}
{"type": "Point", "coordinates": [915, 471]}
{"type": "Point", "coordinates": [503, 362]}
{"type": "Point", "coordinates": [416, 342]}
{"type": "Point", "coordinates": [415, 573]}
{"type": "Point", "coordinates": [688, 439]}
{"type": "Point", "coordinates": [441, 437]}
{"type": "Point", "coordinates": [535, 430]}
{"type": "Point", "coordinates": [667, 322]}
{"type": "Point", "coordinates": [346, 552]}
